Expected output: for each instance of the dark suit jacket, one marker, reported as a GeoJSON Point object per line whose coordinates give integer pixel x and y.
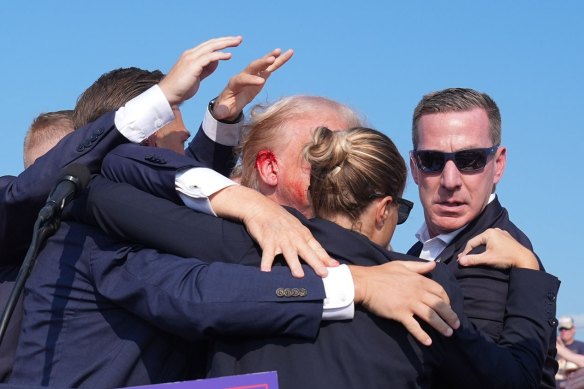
{"type": "Point", "coordinates": [522, 366]}
{"type": "Point", "coordinates": [485, 288]}
{"type": "Point", "coordinates": [22, 197]}
{"type": "Point", "coordinates": [370, 352]}
{"type": "Point", "coordinates": [105, 313]}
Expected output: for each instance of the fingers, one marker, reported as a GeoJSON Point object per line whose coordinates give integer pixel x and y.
{"type": "Point", "coordinates": [315, 257]}
{"type": "Point", "coordinates": [438, 314]}
{"type": "Point", "coordinates": [215, 44]}
{"type": "Point", "coordinates": [269, 63]}
{"type": "Point", "coordinates": [474, 242]}
{"type": "Point", "coordinates": [182, 81]}
{"type": "Point", "coordinates": [414, 296]}
{"type": "Point", "coordinates": [418, 267]}
{"type": "Point", "coordinates": [280, 60]}
{"type": "Point", "coordinates": [311, 253]}
{"type": "Point", "coordinates": [414, 328]}
{"type": "Point", "coordinates": [291, 257]}
{"type": "Point", "coordinates": [476, 259]}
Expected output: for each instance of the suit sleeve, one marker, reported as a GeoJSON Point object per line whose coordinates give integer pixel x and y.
{"type": "Point", "coordinates": [123, 211]}
{"type": "Point", "coordinates": [211, 154]}
{"type": "Point", "coordinates": [22, 197]}
{"type": "Point", "coordinates": [475, 360]}
{"type": "Point", "coordinates": [150, 169]}
{"type": "Point", "coordinates": [191, 298]}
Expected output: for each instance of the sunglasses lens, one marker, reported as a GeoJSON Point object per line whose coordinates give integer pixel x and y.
{"type": "Point", "coordinates": [403, 210]}
{"type": "Point", "coordinates": [430, 161]}
{"type": "Point", "coordinates": [470, 160]}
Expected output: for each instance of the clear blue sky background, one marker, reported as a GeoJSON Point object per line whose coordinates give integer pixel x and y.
{"type": "Point", "coordinates": [378, 56]}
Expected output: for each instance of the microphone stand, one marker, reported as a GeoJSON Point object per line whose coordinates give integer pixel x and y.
{"type": "Point", "coordinates": [43, 228]}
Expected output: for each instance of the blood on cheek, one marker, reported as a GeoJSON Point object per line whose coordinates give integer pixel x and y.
{"type": "Point", "coordinates": [298, 190]}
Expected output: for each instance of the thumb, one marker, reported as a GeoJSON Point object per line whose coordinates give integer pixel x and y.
{"type": "Point", "coordinates": [419, 267]}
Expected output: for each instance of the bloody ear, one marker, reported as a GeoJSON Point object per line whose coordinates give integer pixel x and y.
{"type": "Point", "coordinates": [267, 166]}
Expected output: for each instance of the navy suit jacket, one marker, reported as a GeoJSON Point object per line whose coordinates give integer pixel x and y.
{"type": "Point", "coordinates": [522, 349]}
{"type": "Point", "coordinates": [22, 197]}
{"type": "Point", "coordinates": [105, 313]}
{"type": "Point", "coordinates": [485, 288]}
{"type": "Point", "coordinates": [373, 353]}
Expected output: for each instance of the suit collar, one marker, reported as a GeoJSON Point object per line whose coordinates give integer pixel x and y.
{"type": "Point", "coordinates": [351, 247]}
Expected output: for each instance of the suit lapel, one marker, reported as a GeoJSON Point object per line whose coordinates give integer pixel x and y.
{"type": "Point", "coordinates": [416, 249]}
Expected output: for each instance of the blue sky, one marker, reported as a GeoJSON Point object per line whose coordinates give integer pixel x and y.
{"type": "Point", "coordinates": [380, 57]}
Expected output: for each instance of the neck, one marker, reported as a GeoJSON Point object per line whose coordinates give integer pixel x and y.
{"type": "Point", "coordinates": [359, 226]}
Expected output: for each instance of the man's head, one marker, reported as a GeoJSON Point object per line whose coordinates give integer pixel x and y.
{"type": "Point", "coordinates": [455, 188]}
{"type": "Point", "coordinates": [566, 329]}
{"type": "Point", "coordinates": [111, 91]}
{"type": "Point", "coordinates": [271, 150]}
{"type": "Point", "coordinates": [44, 133]}
{"type": "Point", "coordinates": [114, 89]}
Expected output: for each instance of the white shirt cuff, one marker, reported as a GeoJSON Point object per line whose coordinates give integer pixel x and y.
{"type": "Point", "coordinates": [144, 115]}
{"type": "Point", "coordinates": [195, 185]}
{"type": "Point", "coordinates": [340, 294]}
{"type": "Point", "coordinates": [222, 133]}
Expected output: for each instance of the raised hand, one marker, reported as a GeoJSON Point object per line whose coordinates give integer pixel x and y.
{"type": "Point", "coordinates": [502, 251]}
{"type": "Point", "coordinates": [397, 290]}
{"type": "Point", "coordinates": [183, 80]}
{"type": "Point", "coordinates": [245, 86]}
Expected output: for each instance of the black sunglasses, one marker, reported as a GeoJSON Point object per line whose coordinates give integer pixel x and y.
{"type": "Point", "coordinates": [466, 161]}
{"type": "Point", "coordinates": [404, 206]}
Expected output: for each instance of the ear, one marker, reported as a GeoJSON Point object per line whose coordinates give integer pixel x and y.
{"type": "Point", "coordinates": [414, 169]}
{"type": "Point", "coordinates": [267, 166]}
{"type": "Point", "coordinates": [382, 211]}
{"type": "Point", "coordinates": [500, 163]}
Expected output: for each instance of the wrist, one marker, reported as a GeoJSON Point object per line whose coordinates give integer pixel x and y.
{"type": "Point", "coordinates": [358, 282]}
{"type": "Point", "coordinates": [222, 113]}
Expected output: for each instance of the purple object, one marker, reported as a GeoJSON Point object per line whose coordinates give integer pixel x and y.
{"type": "Point", "coordinates": [265, 380]}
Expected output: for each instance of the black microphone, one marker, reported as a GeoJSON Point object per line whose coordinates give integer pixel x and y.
{"type": "Point", "coordinates": [74, 179]}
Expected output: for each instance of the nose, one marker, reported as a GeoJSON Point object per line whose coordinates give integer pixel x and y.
{"type": "Point", "coordinates": [450, 176]}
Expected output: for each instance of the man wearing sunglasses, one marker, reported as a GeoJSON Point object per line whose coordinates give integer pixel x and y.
{"type": "Point", "coordinates": [457, 161]}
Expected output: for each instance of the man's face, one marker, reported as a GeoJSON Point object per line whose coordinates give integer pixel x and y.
{"type": "Point", "coordinates": [172, 136]}
{"type": "Point", "coordinates": [294, 171]}
{"type": "Point", "coordinates": [567, 335]}
{"type": "Point", "coordinates": [452, 199]}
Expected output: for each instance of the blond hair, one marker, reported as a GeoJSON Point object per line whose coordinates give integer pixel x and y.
{"type": "Point", "coordinates": [349, 167]}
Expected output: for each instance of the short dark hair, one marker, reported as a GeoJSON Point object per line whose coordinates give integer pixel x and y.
{"type": "Point", "coordinates": [458, 100]}
{"type": "Point", "coordinates": [111, 91]}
